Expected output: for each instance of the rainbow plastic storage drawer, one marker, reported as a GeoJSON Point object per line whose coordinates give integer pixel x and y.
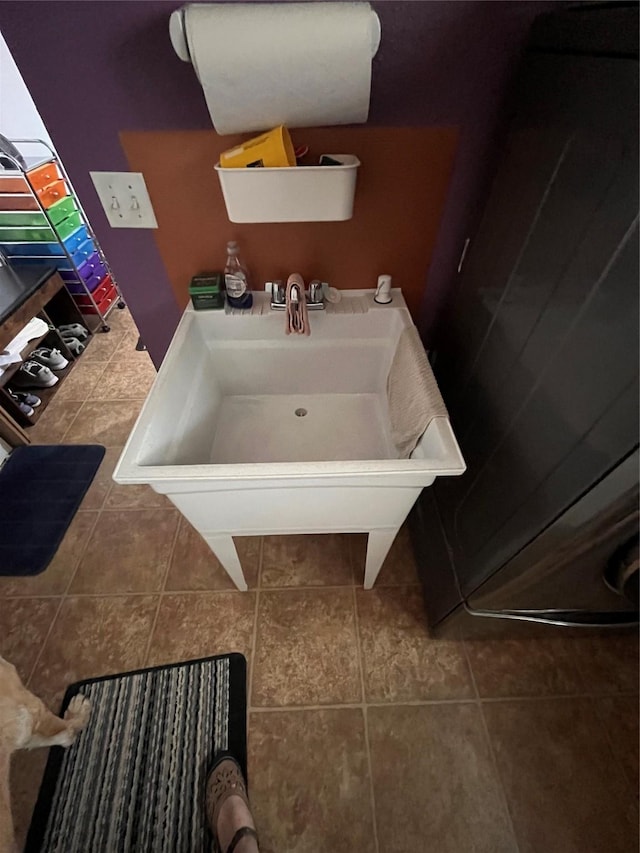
{"type": "Point", "coordinates": [71, 277]}
{"type": "Point", "coordinates": [84, 252]}
{"type": "Point", "coordinates": [60, 262]}
{"type": "Point", "coordinates": [104, 303]}
{"type": "Point", "coordinates": [91, 268]}
{"type": "Point", "coordinates": [99, 293]}
{"type": "Point", "coordinates": [43, 176]}
{"type": "Point", "coordinates": [18, 202]}
{"type": "Point", "coordinates": [61, 209]}
{"type": "Point", "coordinates": [30, 234]}
{"type": "Point", "coordinates": [70, 225]}
{"type": "Point", "coordinates": [81, 287]}
{"type": "Point", "coordinates": [51, 194]}
{"type": "Point", "coordinates": [12, 181]}
{"type": "Point", "coordinates": [22, 219]}
{"type": "Point", "coordinates": [71, 244]}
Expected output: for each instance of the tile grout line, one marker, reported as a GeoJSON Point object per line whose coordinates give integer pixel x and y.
{"type": "Point", "coordinates": [83, 551]}
{"type": "Point", "coordinates": [131, 592]}
{"type": "Point", "coordinates": [45, 641]}
{"type": "Point", "coordinates": [87, 396]}
{"type": "Point", "coordinates": [352, 565]}
{"type": "Point", "coordinates": [276, 709]}
{"type": "Point", "coordinates": [254, 633]}
{"type": "Point", "coordinates": [105, 401]}
{"type": "Point", "coordinates": [160, 594]}
{"type": "Point", "coordinates": [419, 703]}
{"type": "Point", "coordinates": [365, 718]}
{"type": "Point", "coordinates": [334, 706]}
{"type": "Point", "coordinates": [71, 423]}
{"type": "Point", "coordinates": [322, 587]}
{"type": "Point", "coordinates": [214, 590]}
{"type": "Point", "coordinates": [172, 552]}
{"type": "Point", "coordinates": [494, 700]}
{"type": "Point", "coordinates": [111, 480]}
{"type": "Point", "coordinates": [87, 399]}
{"type": "Point", "coordinates": [63, 598]}
{"type": "Point", "coordinates": [356, 623]}
{"type": "Point", "coordinates": [492, 754]}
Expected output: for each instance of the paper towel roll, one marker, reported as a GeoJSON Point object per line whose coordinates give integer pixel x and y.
{"type": "Point", "coordinates": [299, 64]}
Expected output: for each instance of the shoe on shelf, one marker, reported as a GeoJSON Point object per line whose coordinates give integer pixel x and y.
{"type": "Point", "coordinates": [34, 375]}
{"type": "Point", "coordinates": [24, 397]}
{"type": "Point", "coordinates": [24, 408]}
{"type": "Point", "coordinates": [74, 330]}
{"type": "Point", "coordinates": [74, 346]}
{"type": "Point", "coordinates": [51, 358]}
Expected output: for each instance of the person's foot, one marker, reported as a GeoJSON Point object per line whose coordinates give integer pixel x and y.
{"type": "Point", "coordinates": [234, 814]}
{"type": "Point", "coordinates": [228, 809]}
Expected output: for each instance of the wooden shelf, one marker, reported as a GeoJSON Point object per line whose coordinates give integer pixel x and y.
{"type": "Point", "coordinates": [24, 355]}
{"type": "Point", "coordinates": [46, 395]}
{"type": "Point", "coordinates": [53, 303]}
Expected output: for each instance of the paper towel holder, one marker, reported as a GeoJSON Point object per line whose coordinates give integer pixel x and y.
{"type": "Point", "coordinates": [178, 34]}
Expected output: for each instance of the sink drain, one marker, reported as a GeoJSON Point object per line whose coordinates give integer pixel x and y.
{"type": "Point", "coordinates": [300, 413]}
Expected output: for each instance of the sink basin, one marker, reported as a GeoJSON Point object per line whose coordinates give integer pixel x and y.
{"type": "Point", "coordinates": [250, 432]}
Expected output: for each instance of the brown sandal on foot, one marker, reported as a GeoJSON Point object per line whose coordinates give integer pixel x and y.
{"type": "Point", "coordinates": [226, 780]}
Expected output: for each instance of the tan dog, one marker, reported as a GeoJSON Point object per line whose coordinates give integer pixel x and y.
{"type": "Point", "coordinates": [25, 723]}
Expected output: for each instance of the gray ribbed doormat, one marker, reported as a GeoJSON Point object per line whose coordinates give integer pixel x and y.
{"type": "Point", "coordinates": [134, 780]}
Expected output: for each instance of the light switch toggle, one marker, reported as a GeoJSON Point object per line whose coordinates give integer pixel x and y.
{"type": "Point", "coordinates": [125, 199]}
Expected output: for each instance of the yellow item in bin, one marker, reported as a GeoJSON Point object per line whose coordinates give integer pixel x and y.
{"type": "Point", "coordinates": [270, 150]}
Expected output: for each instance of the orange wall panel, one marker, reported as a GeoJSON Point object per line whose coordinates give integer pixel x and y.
{"type": "Point", "coordinates": [400, 194]}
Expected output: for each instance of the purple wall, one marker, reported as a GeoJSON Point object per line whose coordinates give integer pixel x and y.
{"type": "Point", "coordinates": [96, 68]}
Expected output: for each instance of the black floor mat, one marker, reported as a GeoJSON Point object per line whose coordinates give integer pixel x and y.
{"type": "Point", "coordinates": [134, 780]}
{"type": "Point", "coordinates": [41, 489]}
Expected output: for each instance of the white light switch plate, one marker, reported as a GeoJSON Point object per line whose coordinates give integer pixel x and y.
{"type": "Point", "coordinates": [125, 199]}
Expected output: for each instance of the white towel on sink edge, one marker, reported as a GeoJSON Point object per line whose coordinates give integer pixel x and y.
{"type": "Point", "coordinates": [412, 392]}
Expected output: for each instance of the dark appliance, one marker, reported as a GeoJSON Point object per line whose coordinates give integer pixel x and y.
{"type": "Point", "coordinates": [538, 357]}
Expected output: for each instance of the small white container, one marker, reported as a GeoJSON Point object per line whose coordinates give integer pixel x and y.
{"type": "Point", "coordinates": [296, 194]}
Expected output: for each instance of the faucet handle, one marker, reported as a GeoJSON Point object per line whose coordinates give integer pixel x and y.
{"type": "Point", "coordinates": [316, 292]}
{"type": "Point", "coordinates": [277, 289]}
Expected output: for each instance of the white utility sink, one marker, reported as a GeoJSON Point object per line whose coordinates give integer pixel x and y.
{"type": "Point", "coordinates": [250, 432]}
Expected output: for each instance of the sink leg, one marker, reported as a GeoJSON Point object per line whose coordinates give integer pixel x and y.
{"type": "Point", "coordinates": [377, 549]}
{"type": "Point", "coordinates": [225, 550]}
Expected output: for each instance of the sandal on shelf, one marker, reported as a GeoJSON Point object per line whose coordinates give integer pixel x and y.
{"type": "Point", "coordinates": [226, 780]}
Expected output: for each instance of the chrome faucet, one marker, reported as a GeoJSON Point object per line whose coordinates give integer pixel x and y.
{"type": "Point", "coordinates": [278, 294]}
{"type": "Point", "coordinates": [314, 296]}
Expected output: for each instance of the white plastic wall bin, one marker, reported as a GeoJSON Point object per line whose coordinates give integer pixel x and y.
{"type": "Point", "coordinates": [295, 194]}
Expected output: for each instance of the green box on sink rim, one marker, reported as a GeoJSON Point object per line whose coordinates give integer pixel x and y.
{"type": "Point", "coordinates": [207, 291]}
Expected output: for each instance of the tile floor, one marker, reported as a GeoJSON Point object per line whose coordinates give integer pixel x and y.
{"type": "Point", "coordinates": [364, 733]}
